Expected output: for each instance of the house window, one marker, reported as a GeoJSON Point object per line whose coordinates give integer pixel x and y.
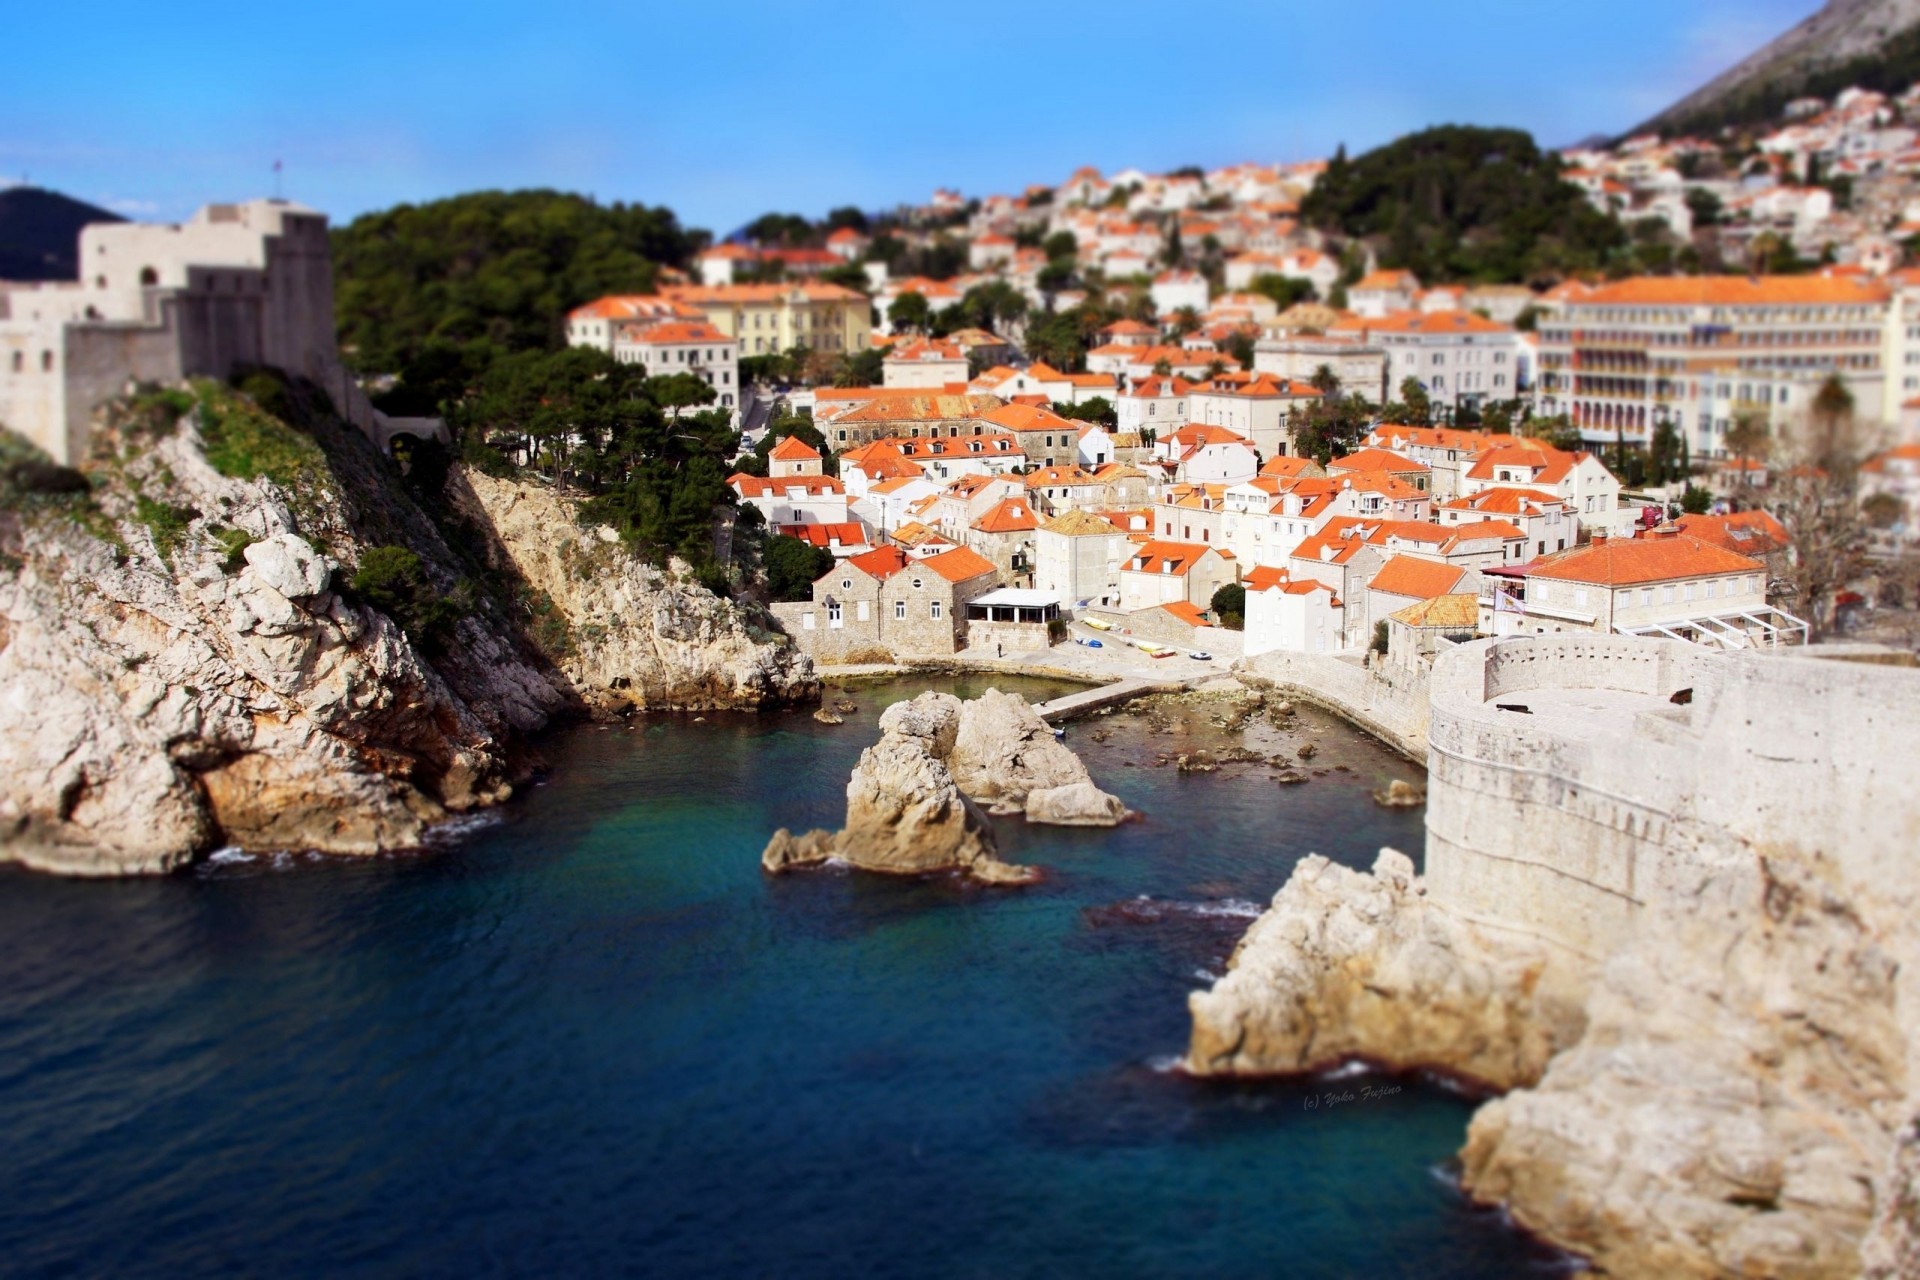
{"type": "Point", "coordinates": [46, 362]}
{"type": "Point", "coordinates": [846, 584]}
{"type": "Point", "coordinates": [862, 612]}
{"type": "Point", "coordinates": [19, 361]}
{"type": "Point", "coordinates": [833, 614]}
{"type": "Point", "coordinates": [900, 610]}
{"type": "Point", "coordinates": [806, 623]}
{"type": "Point", "coordinates": [933, 609]}
{"type": "Point", "coordinates": [916, 584]}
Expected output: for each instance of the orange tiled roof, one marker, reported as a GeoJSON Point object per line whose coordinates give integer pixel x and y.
{"type": "Point", "coordinates": [762, 486]}
{"type": "Point", "coordinates": [1380, 460]}
{"type": "Point", "coordinates": [959, 564]}
{"type": "Point", "coordinates": [1187, 613]}
{"type": "Point", "coordinates": [1614, 562]}
{"type": "Point", "coordinates": [1734, 291]}
{"type": "Point", "coordinates": [1176, 558]}
{"type": "Point", "coordinates": [794, 449]}
{"type": "Point", "coordinates": [1420, 579]}
{"type": "Point", "coordinates": [881, 562]}
{"type": "Point", "coordinates": [1009, 515]}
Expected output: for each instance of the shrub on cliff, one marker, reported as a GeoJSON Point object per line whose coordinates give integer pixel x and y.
{"type": "Point", "coordinates": [393, 580]}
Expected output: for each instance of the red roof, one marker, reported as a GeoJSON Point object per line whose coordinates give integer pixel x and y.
{"type": "Point", "coordinates": [1613, 562]}
{"type": "Point", "coordinates": [762, 486]}
{"type": "Point", "coordinates": [1009, 515]}
{"type": "Point", "coordinates": [881, 562]}
{"type": "Point", "coordinates": [1420, 579]}
{"type": "Point", "coordinates": [959, 564]}
{"type": "Point", "coordinates": [1187, 613]}
{"type": "Point", "coordinates": [794, 449]}
{"type": "Point", "coordinates": [1168, 557]}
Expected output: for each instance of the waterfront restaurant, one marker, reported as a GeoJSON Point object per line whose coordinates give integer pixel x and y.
{"type": "Point", "coordinates": [1012, 618]}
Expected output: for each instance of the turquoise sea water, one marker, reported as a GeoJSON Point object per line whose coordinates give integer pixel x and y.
{"type": "Point", "coordinates": [592, 1038]}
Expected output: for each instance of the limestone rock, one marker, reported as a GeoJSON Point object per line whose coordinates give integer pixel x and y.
{"type": "Point", "coordinates": [155, 702]}
{"type": "Point", "coordinates": [1719, 1116]}
{"type": "Point", "coordinates": [905, 813]}
{"type": "Point", "coordinates": [1349, 965]}
{"type": "Point", "coordinates": [1400, 794]}
{"type": "Point", "coordinates": [1078, 804]}
{"type": "Point", "coordinates": [635, 636]}
{"type": "Point", "coordinates": [1003, 751]}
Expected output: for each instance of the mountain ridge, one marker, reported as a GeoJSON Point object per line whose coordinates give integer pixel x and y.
{"type": "Point", "coordinates": [1842, 34]}
{"type": "Point", "coordinates": [40, 233]}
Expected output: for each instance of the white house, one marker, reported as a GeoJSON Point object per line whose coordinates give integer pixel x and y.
{"type": "Point", "coordinates": [1077, 557]}
{"type": "Point", "coordinates": [1169, 572]}
{"type": "Point", "coordinates": [1298, 615]}
{"type": "Point", "coordinates": [683, 346]}
{"type": "Point", "coordinates": [923, 362]}
{"type": "Point", "coordinates": [798, 499]}
{"type": "Point", "coordinates": [1172, 290]}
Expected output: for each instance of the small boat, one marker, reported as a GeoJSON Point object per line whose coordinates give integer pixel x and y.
{"type": "Point", "coordinates": [1098, 624]}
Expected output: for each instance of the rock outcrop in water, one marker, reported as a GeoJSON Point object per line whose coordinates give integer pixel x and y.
{"type": "Point", "coordinates": [1351, 965]}
{"type": "Point", "coordinates": [905, 813]}
{"type": "Point", "coordinates": [1686, 945]}
{"type": "Point", "coordinates": [184, 662]}
{"type": "Point", "coordinates": [913, 801]}
{"type": "Point", "coordinates": [1006, 758]}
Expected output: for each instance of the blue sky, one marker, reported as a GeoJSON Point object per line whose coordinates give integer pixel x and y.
{"type": "Point", "coordinates": [726, 110]}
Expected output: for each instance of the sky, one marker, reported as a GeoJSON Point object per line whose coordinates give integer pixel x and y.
{"type": "Point", "coordinates": [725, 110]}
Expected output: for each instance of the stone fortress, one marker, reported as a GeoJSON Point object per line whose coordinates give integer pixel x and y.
{"type": "Point", "coordinates": [1669, 905]}
{"type": "Point", "coordinates": [237, 286]}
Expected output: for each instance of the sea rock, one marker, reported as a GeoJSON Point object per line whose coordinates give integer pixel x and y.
{"type": "Point", "coordinates": [1078, 804]}
{"type": "Point", "coordinates": [1400, 794]}
{"type": "Point", "coordinates": [635, 636]}
{"type": "Point", "coordinates": [1351, 965]}
{"type": "Point", "coordinates": [1004, 751]}
{"type": "Point", "coordinates": [905, 813]}
{"type": "Point", "coordinates": [825, 716]}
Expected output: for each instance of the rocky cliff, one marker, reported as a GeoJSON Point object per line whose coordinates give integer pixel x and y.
{"type": "Point", "coordinates": [185, 661]}
{"type": "Point", "coordinates": [630, 635]}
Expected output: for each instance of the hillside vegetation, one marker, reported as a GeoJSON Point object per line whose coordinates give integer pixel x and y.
{"type": "Point", "coordinates": [495, 267]}
{"type": "Point", "coordinates": [1463, 203]}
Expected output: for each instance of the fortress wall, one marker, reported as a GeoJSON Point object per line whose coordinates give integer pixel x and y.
{"type": "Point", "coordinates": [1565, 828]}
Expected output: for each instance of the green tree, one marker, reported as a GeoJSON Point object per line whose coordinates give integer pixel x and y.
{"type": "Point", "coordinates": [1705, 207]}
{"type": "Point", "coordinates": [1097, 409]}
{"type": "Point", "coordinates": [793, 566]}
{"type": "Point", "coordinates": [910, 311]}
{"type": "Point", "coordinates": [496, 267]}
{"type": "Point", "coordinates": [1695, 501]}
{"type": "Point", "coordinates": [1229, 606]}
{"type": "Point", "coordinates": [1061, 244]}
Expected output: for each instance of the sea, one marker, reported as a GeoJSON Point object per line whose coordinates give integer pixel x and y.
{"type": "Point", "coordinates": [586, 1035]}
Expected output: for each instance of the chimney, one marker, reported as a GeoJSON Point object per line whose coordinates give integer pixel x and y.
{"type": "Point", "coordinates": [1599, 536]}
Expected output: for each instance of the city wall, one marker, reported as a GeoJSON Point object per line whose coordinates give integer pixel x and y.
{"type": "Point", "coordinates": [1566, 821]}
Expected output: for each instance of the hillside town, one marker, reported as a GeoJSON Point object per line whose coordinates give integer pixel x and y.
{"type": "Point", "coordinates": [1278, 443]}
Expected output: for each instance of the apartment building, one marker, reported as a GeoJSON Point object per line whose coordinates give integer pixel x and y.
{"type": "Point", "coordinates": [1703, 351]}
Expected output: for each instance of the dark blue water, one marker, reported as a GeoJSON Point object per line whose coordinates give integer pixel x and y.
{"type": "Point", "coordinates": [595, 1039]}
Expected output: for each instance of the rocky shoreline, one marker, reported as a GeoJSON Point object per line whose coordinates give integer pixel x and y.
{"type": "Point", "coordinates": [186, 663]}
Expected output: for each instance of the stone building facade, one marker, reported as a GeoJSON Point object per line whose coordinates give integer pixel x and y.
{"type": "Point", "coordinates": [885, 605]}
{"type": "Point", "coordinates": [238, 285]}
